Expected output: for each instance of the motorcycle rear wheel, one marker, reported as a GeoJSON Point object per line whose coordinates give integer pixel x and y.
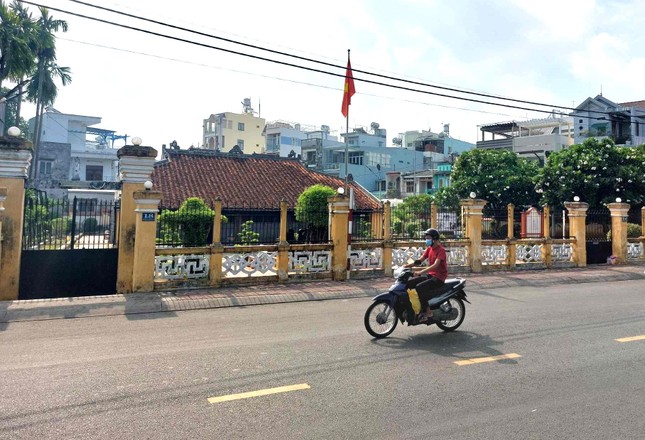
{"type": "Point", "coordinates": [378, 322]}
{"type": "Point", "coordinates": [452, 325]}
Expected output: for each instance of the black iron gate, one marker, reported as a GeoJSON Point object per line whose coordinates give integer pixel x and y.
{"type": "Point", "coordinates": [69, 247]}
{"type": "Point", "coordinates": [598, 244]}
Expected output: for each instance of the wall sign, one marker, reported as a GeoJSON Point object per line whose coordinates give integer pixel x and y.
{"type": "Point", "coordinates": [148, 216]}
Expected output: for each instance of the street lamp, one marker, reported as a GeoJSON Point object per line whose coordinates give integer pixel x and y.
{"type": "Point", "coordinates": [13, 131]}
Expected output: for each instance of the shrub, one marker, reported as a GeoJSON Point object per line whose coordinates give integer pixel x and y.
{"type": "Point", "coordinates": [633, 231]}
{"type": "Point", "coordinates": [90, 225]}
{"type": "Point", "coordinates": [61, 225]}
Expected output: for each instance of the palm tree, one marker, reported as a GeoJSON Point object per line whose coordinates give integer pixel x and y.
{"type": "Point", "coordinates": [16, 56]}
{"type": "Point", "coordinates": [42, 89]}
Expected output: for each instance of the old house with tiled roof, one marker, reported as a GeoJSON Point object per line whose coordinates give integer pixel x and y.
{"type": "Point", "coordinates": [241, 180]}
{"type": "Point", "coordinates": [251, 188]}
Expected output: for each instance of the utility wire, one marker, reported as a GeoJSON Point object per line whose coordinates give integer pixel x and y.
{"type": "Point", "coordinates": [273, 51]}
{"type": "Point", "coordinates": [137, 29]}
{"type": "Point", "coordinates": [210, 66]}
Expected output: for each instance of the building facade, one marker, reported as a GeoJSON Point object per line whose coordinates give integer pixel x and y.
{"type": "Point", "coordinates": [223, 131]}
{"type": "Point", "coordinates": [532, 139]}
{"type": "Point", "coordinates": [601, 118]}
{"type": "Point", "coordinates": [72, 153]}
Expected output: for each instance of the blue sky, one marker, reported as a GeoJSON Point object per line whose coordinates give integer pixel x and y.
{"type": "Point", "coordinates": [555, 52]}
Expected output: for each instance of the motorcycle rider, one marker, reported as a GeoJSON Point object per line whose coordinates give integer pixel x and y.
{"type": "Point", "coordinates": [429, 278]}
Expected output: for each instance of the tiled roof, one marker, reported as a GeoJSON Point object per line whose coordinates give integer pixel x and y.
{"type": "Point", "coordinates": [241, 181]}
{"type": "Point", "coordinates": [639, 104]}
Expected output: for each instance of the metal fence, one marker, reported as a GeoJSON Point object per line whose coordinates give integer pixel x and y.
{"type": "Point", "coordinates": [495, 223]}
{"type": "Point", "coordinates": [409, 222]}
{"type": "Point", "coordinates": [598, 224]}
{"type": "Point", "coordinates": [450, 223]}
{"type": "Point", "coordinates": [367, 225]}
{"type": "Point", "coordinates": [634, 222]}
{"type": "Point", "coordinates": [63, 224]}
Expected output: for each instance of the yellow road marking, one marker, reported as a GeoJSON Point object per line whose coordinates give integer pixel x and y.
{"type": "Point", "coordinates": [488, 359]}
{"type": "Point", "coordinates": [285, 389]}
{"type": "Point", "coordinates": [630, 339]}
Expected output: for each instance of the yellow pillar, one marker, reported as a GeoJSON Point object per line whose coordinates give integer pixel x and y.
{"type": "Point", "coordinates": [547, 256]}
{"type": "Point", "coordinates": [283, 245]}
{"type": "Point", "coordinates": [473, 212]}
{"type": "Point", "coordinates": [135, 167]}
{"type": "Point", "coordinates": [339, 211]}
{"type": "Point", "coordinates": [433, 215]}
{"type": "Point", "coordinates": [619, 216]}
{"type": "Point", "coordinates": [578, 230]}
{"type": "Point", "coordinates": [510, 232]}
{"type": "Point", "coordinates": [3, 197]}
{"type": "Point", "coordinates": [143, 268]}
{"type": "Point", "coordinates": [217, 250]}
{"type": "Point", "coordinates": [388, 244]}
{"type": "Point", "coordinates": [15, 157]}
{"type": "Point", "coordinates": [643, 222]}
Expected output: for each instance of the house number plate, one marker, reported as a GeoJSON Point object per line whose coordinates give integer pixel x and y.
{"type": "Point", "coordinates": [148, 216]}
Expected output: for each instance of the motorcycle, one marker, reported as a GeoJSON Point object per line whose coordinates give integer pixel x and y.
{"type": "Point", "coordinates": [397, 304]}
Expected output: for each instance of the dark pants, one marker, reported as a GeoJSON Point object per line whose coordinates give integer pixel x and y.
{"type": "Point", "coordinates": [426, 286]}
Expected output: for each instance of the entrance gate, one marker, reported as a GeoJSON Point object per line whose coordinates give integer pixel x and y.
{"type": "Point", "coordinates": [598, 244]}
{"type": "Point", "coordinates": [69, 247]}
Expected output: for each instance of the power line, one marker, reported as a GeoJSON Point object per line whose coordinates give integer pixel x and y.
{"type": "Point", "coordinates": [137, 29]}
{"type": "Point", "coordinates": [276, 52]}
{"type": "Point", "coordinates": [278, 78]}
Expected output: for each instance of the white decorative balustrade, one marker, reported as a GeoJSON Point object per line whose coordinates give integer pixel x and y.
{"type": "Point", "coordinates": [366, 259]}
{"type": "Point", "coordinates": [494, 254]}
{"type": "Point", "coordinates": [249, 264]}
{"type": "Point", "coordinates": [181, 267]}
{"type": "Point", "coordinates": [635, 250]}
{"type": "Point", "coordinates": [528, 253]}
{"type": "Point", "coordinates": [457, 255]}
{"type": "Point", "coordinates": [562, 253]}
{"type": "Point", "coordinates": [302, 262]}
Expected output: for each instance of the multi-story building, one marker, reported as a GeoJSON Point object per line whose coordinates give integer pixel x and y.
{"type": "Point", "coordinates": [601, 118]}
{"type": "Point", "coordinates": [72, 153]}
{"type": "Point", "coordinates": [284, 139]}
{"type": "Point", "coordinates": [532, 139]}
{"type": "Point", "coordinates": [223, 131]}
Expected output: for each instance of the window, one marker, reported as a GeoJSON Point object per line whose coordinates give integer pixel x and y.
{"type": "Point", "coordinates": [45, 169]}
{"type": "Point", "coordinates": [240, 143]}
{"type": "Point", "coordinates": [409, 186]}
{"type": "Point", "coordinates": [87, 205]}
{"type": "Point", "coordinates": [240, 126]}
{"type": "Point", "coordinates": [580, 121]}
{"type": "Point", "coordinates": [94, 172]}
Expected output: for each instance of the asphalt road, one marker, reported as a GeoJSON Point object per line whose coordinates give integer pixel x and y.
{"type": "Point", "coordinates": [557, 372]}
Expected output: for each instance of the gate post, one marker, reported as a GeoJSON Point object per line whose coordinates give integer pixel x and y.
{"type": "Point", "coordinates": [217, 250]}
{"type": "Point", "coordinates": [339, 212]}
{"type": "Point", "coordinates": [619, 212]}
{"type": "Point", "coordinates": [388, 243]}
{"type": "Point", "coordinates": [143, 268]}
{"type": "Point", "coordinates": [473, 212]}
{"type": "Point", "coordinates": [283, 245]}
{"type": "Point", "coordinates": [15, 157]}
{"type": "Point", "coordinates": [3, 197]}
{"type": "Point", "coordinates": [578, 229]}
{"type": "Point", "coordinates": [135, 167]}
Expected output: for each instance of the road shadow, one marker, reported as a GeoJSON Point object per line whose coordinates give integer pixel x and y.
{"type": "Point", "coordinates": [456, 345]}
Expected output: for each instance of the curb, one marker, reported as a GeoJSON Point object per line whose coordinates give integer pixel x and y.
{"type": "Point", "coordinates": [196, 299]}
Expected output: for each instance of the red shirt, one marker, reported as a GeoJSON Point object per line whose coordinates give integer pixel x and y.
{"type": "Point", "coordinates": [440, 272]}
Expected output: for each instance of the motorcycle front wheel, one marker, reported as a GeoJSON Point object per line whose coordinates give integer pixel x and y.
{"type": "Point", "coordinates": [380, 319]}
{"type": "Point", "coordinates": [452, 325]}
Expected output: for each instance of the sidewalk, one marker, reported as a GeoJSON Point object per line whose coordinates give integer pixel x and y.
{"type": "Point", "coordinates": [172, 301]}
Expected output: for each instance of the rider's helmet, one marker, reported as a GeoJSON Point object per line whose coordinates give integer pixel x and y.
{"type": "Point", "coordinates": [432, 233]}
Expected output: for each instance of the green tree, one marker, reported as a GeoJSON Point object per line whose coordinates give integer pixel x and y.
{"type": "Point", "coordinates": [189, 225]}
{"type": "Point", "coordinates": [497, 176]}
{"type": "Point", "coordinates": [247, 234]}
{"type": "Point", "coordinates": [447, 198]}
{"type": "Point", "coordinates": [596, 171]}
{"type": "Point", "coordinates": [412, 215]}
{"type": "Point", "coordinates": [17, 58]}
{"type": "Point", "coordinates": [311, 210]}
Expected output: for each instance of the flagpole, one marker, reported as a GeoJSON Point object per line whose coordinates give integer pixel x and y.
{"type": "Point", "coordinates": [346, 141]}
